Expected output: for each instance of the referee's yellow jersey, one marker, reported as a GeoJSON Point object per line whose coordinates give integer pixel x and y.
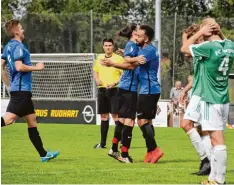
{"type": "Point", "coordinates": [108, 75]}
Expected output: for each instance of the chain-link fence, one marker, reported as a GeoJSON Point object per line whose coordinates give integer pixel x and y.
{"type": "Point", "coordinates": [83, 33]}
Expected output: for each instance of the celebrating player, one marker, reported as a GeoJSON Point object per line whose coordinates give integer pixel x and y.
{"type": "Point", "coordinates": [128, 97]}
{"type": "Point", "coordinates": [149, 89]}
{"type": "Point", "coordinates": [17, 57]}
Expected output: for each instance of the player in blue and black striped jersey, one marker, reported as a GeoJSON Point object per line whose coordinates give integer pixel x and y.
{"type": "Point", "coordinates": [17, 57]}
{"type": "Point", "coordinates": [148, 62]}
{"type": "Point", "coordinates": [149, 88]}
{"type": "Point", "coordinates": [128, 97]}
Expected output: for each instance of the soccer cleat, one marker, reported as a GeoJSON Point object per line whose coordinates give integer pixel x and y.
{"type": "Point", "coordinates": [125, 159]}
{"type": "Point", "coordinates": [213, 182]}
{"type": "Point", "coordinates": [204, 168]}
{"type": "Point", "coordinates": [99, 146]}
{"type": "Point", "coordinates": [49, 156]}
{"type": "Point", "coordinates": [113, 154]}
{"type": "Point", "coordinates": [148, 157]}
{"type": "Point", "coordinates": [156, 155]}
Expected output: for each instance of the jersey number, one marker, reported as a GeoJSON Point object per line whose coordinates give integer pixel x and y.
{"type": "Point", "coordinates": [224, 65]}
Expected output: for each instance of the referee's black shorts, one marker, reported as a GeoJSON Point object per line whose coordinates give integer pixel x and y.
{"type": "Point", "coordinates": [147, 106]}
{"type": "Point", "coordinates": [108, 101]}
{"type": "Point", "coordinates": [20, 103]}
{"type": "Point", "coordinates": [127, 104]}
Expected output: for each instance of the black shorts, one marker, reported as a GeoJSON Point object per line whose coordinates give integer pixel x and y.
{"type": "Point", "coordinates": [147, 106]}
{"type": "Point", "coordinates": [21, 103]}
{"type": "Point", "coordinates": [127, 104]}
{"type": "Point", "coordinates": [108, 101]}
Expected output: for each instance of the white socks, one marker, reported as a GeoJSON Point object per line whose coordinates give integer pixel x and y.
{"type": "Point", "coordinates": [197, 143]}
{"type": "Point", "coordinates": [220, 163]}
{"type": "Point", "coordinates": [213, 170]}
{"type": "Point", "coordinates": [207, 143]}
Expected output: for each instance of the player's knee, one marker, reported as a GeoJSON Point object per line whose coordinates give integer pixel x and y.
{"type": "Point", "coordinates": [32, 123]}
{"type": "Point", "coordinates": [129, 122]}
{"type": "Point", "coordinates": [217, 138]}
{"type": "Point", "coordinates": [31, 120]}
{"type": "Point", "coordinates": [104, 117]}
{"type": "Point", "coordinates": [141, 122]}
{"type": "Point", "coordinates": [216, 141]}
{"type": "Point", "coordinates": [121, 120]}
{"type": "Point", "coordinates": [115, 117]}
{"type": "Point", "coordinates": [182, 124]}
{"type": "Point", "coordinates": [9, 121]}
{"type": "Point", "coordinates": [186, 125]}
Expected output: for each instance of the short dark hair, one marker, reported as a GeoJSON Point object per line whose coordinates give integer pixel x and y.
{"type": "Point", "coordinates": [127, 30]}
{"type": "Point", "coordinates": [10, 27]}
{"type": "Point", "coordinates": [107, 40]}
{"type": "Point", "coordinates": [148, 31]}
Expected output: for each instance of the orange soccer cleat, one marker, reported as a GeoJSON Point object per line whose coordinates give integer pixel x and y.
{"type": "Point", "coordinates": [156, 155]}
{"type": "Point", "coordinates": [148, 157]}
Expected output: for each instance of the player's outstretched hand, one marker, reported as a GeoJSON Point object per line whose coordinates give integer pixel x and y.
{"type": "Point", "coordinates": [40, 66]}
{"type": "Point", "coordinates": [181, 96]}
{"type": "Point", "coordinates": [120, 52]}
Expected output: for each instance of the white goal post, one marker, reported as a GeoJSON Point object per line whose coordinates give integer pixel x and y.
{"type": "Point", "coordinates": [65, 77]}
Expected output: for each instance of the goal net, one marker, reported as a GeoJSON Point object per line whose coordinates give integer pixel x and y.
{"type": "Point", "coordinates": [66, 76]}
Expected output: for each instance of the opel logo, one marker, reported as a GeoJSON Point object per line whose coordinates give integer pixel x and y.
{"type": "Point", "coordinates": [88, 114]}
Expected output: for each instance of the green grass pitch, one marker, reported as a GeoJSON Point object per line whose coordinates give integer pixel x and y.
{"type": "Point", "coordinates": [79, 163]}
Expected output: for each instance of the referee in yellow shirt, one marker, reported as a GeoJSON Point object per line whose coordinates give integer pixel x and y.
{"type": "Point", "coordinates": [107, 79]}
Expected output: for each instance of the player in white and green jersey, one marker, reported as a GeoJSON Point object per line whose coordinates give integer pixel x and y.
{"type": "Point", "coordinates": [217, 56]}
{"type": "Point", "coordinates": [200, 140]}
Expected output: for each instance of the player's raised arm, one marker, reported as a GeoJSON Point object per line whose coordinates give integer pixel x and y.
{"type": "Point", "coordinates": [204, 31]}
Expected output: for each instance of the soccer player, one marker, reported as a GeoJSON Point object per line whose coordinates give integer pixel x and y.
{"type": "Point", "coordinates": [149, 89]}
{"type": "Point", "coordinates": [17, 57]}
{"type": "Point", "coordinates": [216, 56]}
{"type": "Point", "coordinates": [107, 80]}
{"type": "Point", "coordinates": [200, 139]}
{"type": "Point", "coordinates": [128, 97]}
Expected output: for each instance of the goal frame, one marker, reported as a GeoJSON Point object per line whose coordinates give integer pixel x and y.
{"type": "Point", "coordinates": [35, 58]}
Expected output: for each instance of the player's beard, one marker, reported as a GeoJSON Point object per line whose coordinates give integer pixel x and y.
{"type": "Point", "coordinates": [140, 43]}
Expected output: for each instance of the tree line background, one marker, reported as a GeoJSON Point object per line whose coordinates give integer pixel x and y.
{"type": "Point", "coordinates": [64, 26]}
